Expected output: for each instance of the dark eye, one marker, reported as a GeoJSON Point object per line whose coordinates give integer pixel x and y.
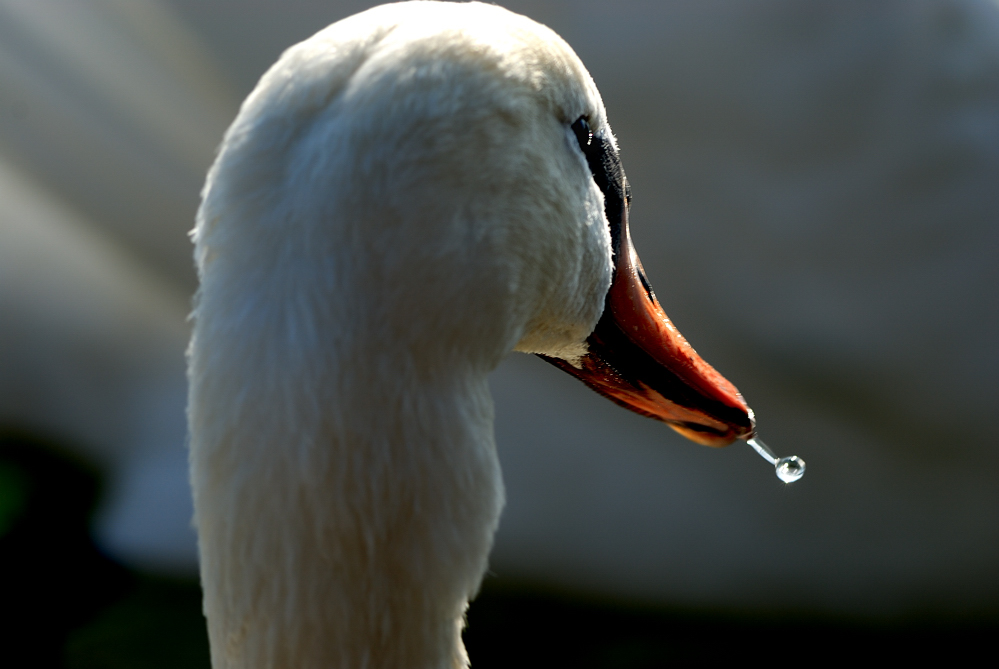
{"type": "Point", "coordinates": [583, 134]}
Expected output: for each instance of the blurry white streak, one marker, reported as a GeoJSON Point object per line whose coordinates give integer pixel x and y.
{"type": "Point", "coordinates": [141, 61]}
{"type": "Point", "coordinates": [82, 322]}
{"type": "Point", "coordinates": [93, 357]}
{"type": "Point", "coordinates": [42, 108]}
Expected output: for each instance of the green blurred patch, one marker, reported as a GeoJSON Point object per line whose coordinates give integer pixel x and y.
{"type": "Point", "coordinates": [158, 625]}
{"type": "Point", "coordinates": [14, 483]}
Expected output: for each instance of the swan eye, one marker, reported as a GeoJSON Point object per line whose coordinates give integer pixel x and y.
{"type": "Point", "coordinates": [583, 134]}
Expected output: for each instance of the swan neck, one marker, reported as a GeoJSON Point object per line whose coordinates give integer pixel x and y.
{"type": "Point", "coordinates": [348, 519]}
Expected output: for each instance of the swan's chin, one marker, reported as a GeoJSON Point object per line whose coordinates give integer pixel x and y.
{"type": "Point", "coordinates": [572, 354]}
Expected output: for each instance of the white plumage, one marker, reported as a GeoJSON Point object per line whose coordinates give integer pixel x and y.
{"type": "Point", "coordinates": [399, 203]}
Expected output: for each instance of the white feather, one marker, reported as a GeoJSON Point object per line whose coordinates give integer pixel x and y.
{"type": "Point", "coordinates": [399, 203]}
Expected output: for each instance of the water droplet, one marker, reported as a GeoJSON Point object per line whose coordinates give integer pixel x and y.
{"type": "Point", "coordinates": [790, 469]}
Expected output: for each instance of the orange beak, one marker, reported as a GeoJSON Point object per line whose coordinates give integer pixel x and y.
{"type": "Point", "coordinates": [637, 359]}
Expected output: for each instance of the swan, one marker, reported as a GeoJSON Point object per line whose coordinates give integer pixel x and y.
{"type": "Point", "coordinates": [403, 199]}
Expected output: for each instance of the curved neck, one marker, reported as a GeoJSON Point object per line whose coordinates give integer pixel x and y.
{"type": "Point", "coordinates": [346, 518]}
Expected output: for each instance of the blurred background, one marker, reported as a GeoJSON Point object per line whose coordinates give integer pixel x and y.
{"type": "Point", "coordinates": [816, 201]}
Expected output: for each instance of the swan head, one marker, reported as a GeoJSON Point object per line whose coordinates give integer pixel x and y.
{"type": "Point", "coordinates": [420, 157]}
{"type": "Point", "coordinates": [437, 184]}
{"type": "Point", "coordinates": [404, 198]}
